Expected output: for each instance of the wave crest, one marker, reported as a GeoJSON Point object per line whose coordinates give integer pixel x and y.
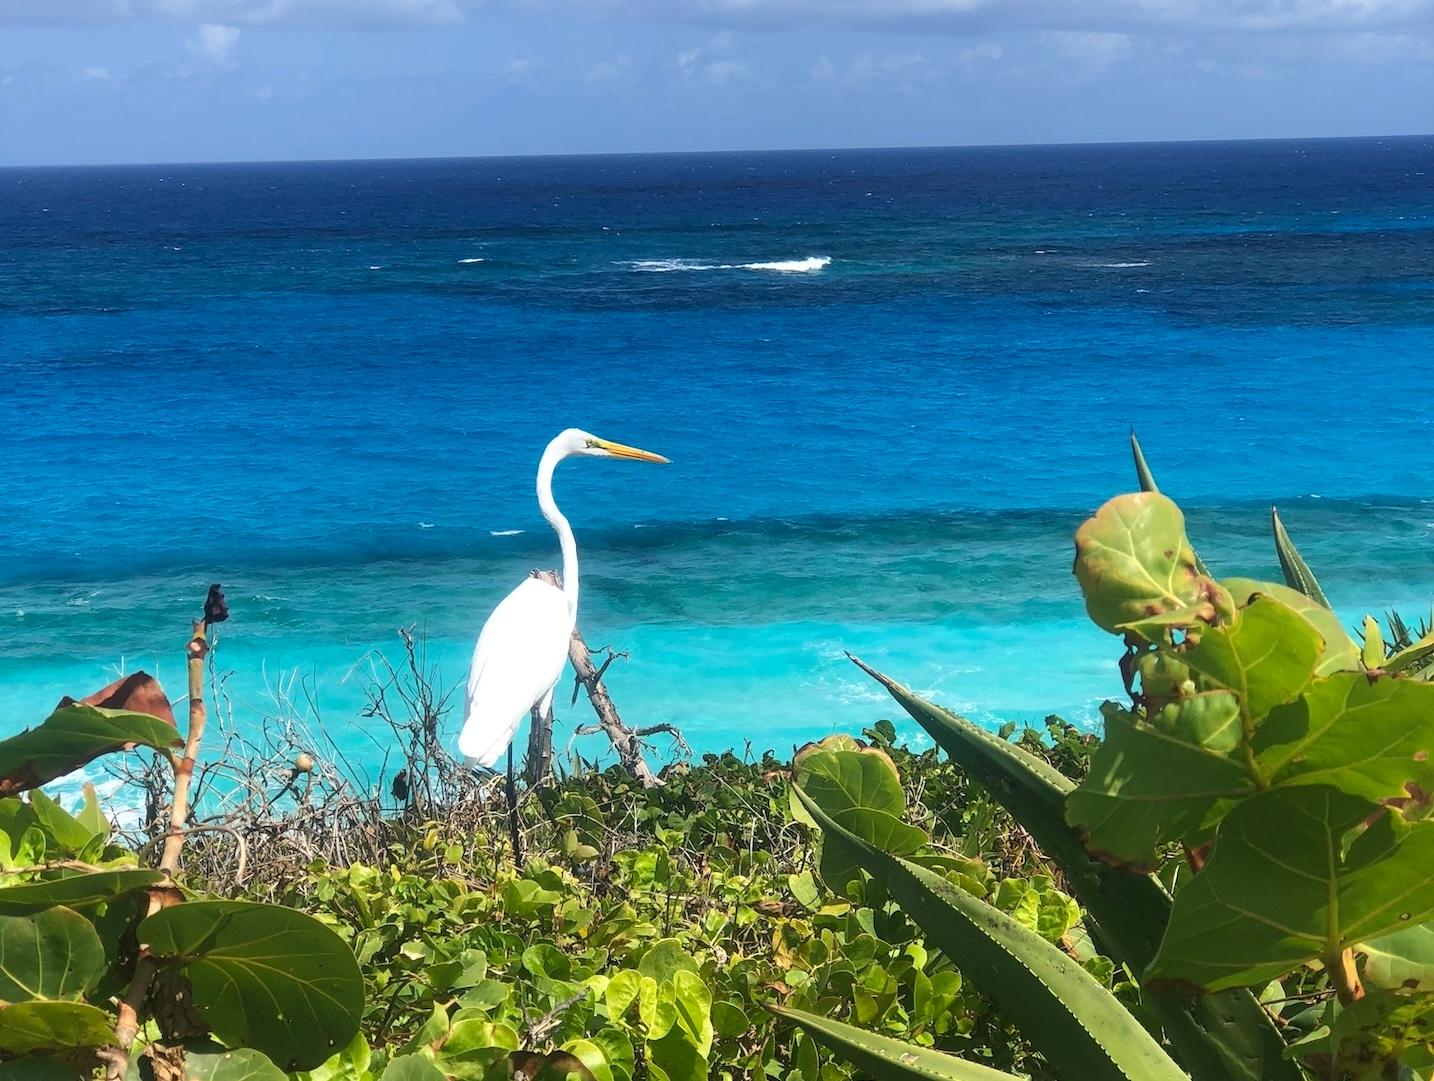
{"type": "Point", "coordinates": [808, 265]}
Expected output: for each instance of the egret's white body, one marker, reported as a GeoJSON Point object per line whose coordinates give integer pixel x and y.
{"type": "Point", "coordinates": [524, 645]}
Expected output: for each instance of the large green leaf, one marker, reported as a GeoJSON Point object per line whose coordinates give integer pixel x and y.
{"type": "Point", "coordinates": [1264, 657]}
{"type": "Point", "coordinates": [1134, 562]}
{"type": "Point", "coordinates": [884, 1059]}
{"type": "Point", "coordinates": [1074, 1021]}
{"type": "Point", "coordinates": [1401, 960]}
{"type": "Point", "coordinates": [1296, 571]}
{"type": "Point", "coordinates": [860, 789]}
{"type": "Point", "coordinates": [69, 833]}
{"type": "Point", "coordinates": [1149, 785]}
{"type": "Point", "coordinates": [53, 1026]}
{"type": "Point", "coordinates": [1367, 738]}
{"type": "Point", "coordinates": [71, 737]}
{"type": "Point", "coordinates": [1218, 1037]}
{"type": "Point", "coordinates": [411, 1068]}
{"type": "Point", "coordinates": [38, 1069]}
{"type": "Point", "coordinates": [1295, 878]}
{"type": "Point", "coordinates": [1341, 654]}
{"type": "Point", "coordinates": [54, 954]}
{"type": "Point", "coordinates": [215, 1063]}
{"type": "Point", "coordinates": [75, 890]}
{"type": "Point", "coordinates": [264, 976]}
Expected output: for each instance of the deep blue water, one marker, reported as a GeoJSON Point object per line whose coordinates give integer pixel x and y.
{"type": "Point", "coordinates": [891, 384]}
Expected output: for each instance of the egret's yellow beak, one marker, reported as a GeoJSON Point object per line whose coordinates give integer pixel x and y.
{"type": "Point", "coordinates": [621, 450]}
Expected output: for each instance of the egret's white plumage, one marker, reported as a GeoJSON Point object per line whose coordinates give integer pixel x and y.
{"type": "Point", "coordinates": [524, 645]}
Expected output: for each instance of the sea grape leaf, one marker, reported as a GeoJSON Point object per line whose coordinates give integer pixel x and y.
{"type": "Point", "coordinates": [75, 890]}
{"type": "Point", "coordinates": [71, 737]}
{"type": "Point", "coordinates": [37, 1069]}
{"type": "Point", "coordinates": [264, 976]}
{"type": "Point", "coordinates": [138, 692]}
{"type": "Point", "coordinates": [1373, 1037]}
{"type": "Point", "coordinates": [1134, 562]}
{"type": "Point", "coordinates": [54, 954]}
{"type": "Point", "coordinates": [1147, 786]}
{"type": "Point", "coordinates": [1402, 960]}
{"type": "Point", "coordinates": [1341, 654]}
{"type": "Point", "coordinates": [861, 790]}
{"type": "Point", "coordinates": [69, 833]}
{"type": "Point", "coordinates": [53, 1026]}
{"type": "Point", "coordinates": [211, 1062]}
{"type": "Point", "coordinates": [411, 1068]}
{"type": "Point", "coordinates": [1265, 656]}
{"type": "Point", "coordinates": [90, 816]}
{"type": "Point", "coordinates": [1295, 877]}
{"type": "Point", "coordinates": [1368, 738]}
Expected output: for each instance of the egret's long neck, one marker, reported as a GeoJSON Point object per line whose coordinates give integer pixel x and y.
{"type": "Point", "coordinates": [551, 457]}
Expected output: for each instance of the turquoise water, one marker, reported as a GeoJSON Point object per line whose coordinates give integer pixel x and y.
{"type": "Point", "coordinates": [891, 383]}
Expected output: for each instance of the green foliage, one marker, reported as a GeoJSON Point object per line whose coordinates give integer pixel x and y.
{"type": "Point", "coordinates": [1289, 763]}
{"type": "Point", "coordinates": [263, 977]}
{"type": "Point", "coordinates": [72, 737]}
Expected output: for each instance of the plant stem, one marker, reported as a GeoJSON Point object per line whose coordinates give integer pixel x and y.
{"type": "Point", "coordinates": [128, 1023]}
{"type": "Point", "coordinates": [1344, 977]}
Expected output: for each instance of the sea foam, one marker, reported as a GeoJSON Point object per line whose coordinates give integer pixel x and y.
{"type": "Point", "coordinates": [808, 265]}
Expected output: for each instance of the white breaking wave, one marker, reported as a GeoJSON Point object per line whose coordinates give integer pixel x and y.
{"type": "Point", "coordinates": [504, 532]}
{"type": "Point", "coordinates": [475, 259]}
{"type": "Point", "coordinates": [1116, 266]}
{"type": "Point", "coordinates": [793, 266]}
{"type": "Point", "coordinates": [808, 265]}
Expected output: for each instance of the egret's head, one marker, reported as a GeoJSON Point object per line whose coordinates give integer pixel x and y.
{"type": "Point", "coordinates": [580, 442]}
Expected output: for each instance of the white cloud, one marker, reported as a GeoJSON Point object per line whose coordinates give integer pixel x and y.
{"type": "Point", "coordinates": [1096, 50]}
{"type": "Point", "coordinates": [518, 69]}
{"type": "Point", "coordinates": [707, 64]}
{"type": "Point", "coordinates": [95, 73]}
{"type": "Point", "coordinates": [609, 71]}
{"type": "Point", "coordinates": [213, 43]}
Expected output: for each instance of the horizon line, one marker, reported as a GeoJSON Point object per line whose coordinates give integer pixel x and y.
{"type": "Point", "coordinates": [716, 152]}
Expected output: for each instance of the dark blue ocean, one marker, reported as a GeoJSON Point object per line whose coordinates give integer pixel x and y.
{"type": "Point", "coordinates": [891, 384]}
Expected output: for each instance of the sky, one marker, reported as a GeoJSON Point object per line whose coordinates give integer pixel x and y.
{"type": "Point", "coordinates": [90, 81]}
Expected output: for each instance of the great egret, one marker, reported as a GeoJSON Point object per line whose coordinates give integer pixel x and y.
{"type": "Point", "coordinates": [524, 645]}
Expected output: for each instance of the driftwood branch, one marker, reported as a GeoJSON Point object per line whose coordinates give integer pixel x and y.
{"type": "Point", "coordinates": [624, 740]}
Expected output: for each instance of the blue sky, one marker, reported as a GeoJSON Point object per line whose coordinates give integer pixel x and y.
{"type": "Point", "coordinates": [194, 80]}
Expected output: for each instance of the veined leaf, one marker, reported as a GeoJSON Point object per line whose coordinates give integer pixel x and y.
{"type": "Point", "coordinates": [264, 976]}
{"type": "Point", "coordinates": [1146, 479]}
{"type": "Point", "coordinates": [53, 1026]}
{"type": "Point", "coordinates": [1369, 739]}
{"type": "Point", "coordinates": [1296, 571]}
{"type": "Point", "coordinates": [1292, 880]}
{"type": "Point", "coordinates": [1147, 786]}
{"type": "Point", "coordinates": [1078, 1025]}
{"type": "Point", "coordinates": [884, 1059]}
{"type": "Point", "coordinates": [74, 890]}
{"type": "Point", "coordinates": [214, 1063]}
{"type": "Point", "coordinates": [1265, 656]}
{"type": "Point", "coordinates": [1341, 654]}
{"type": "Point", "coordinates": [1402, 960]}
{"type": "Point", "coordinates": [1218, 1037]}
{"type": "Point", "coordinates": [1134, 562]}
{"type": "Point", "coordinates": [860, 789]}
{"type": "Point", "coordinates": [54, 954]}
{"type": "Point", "coordinates": [411, 1068]}
{"type": "Point", "coordinates": [71, 737]}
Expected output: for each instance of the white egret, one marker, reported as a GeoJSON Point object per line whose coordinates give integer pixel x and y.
{"type": "Point", "coordinates": [524, 645]}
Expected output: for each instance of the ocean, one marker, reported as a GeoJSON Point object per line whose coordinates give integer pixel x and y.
{"type": "Point", "coordinates": [891, 383]}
